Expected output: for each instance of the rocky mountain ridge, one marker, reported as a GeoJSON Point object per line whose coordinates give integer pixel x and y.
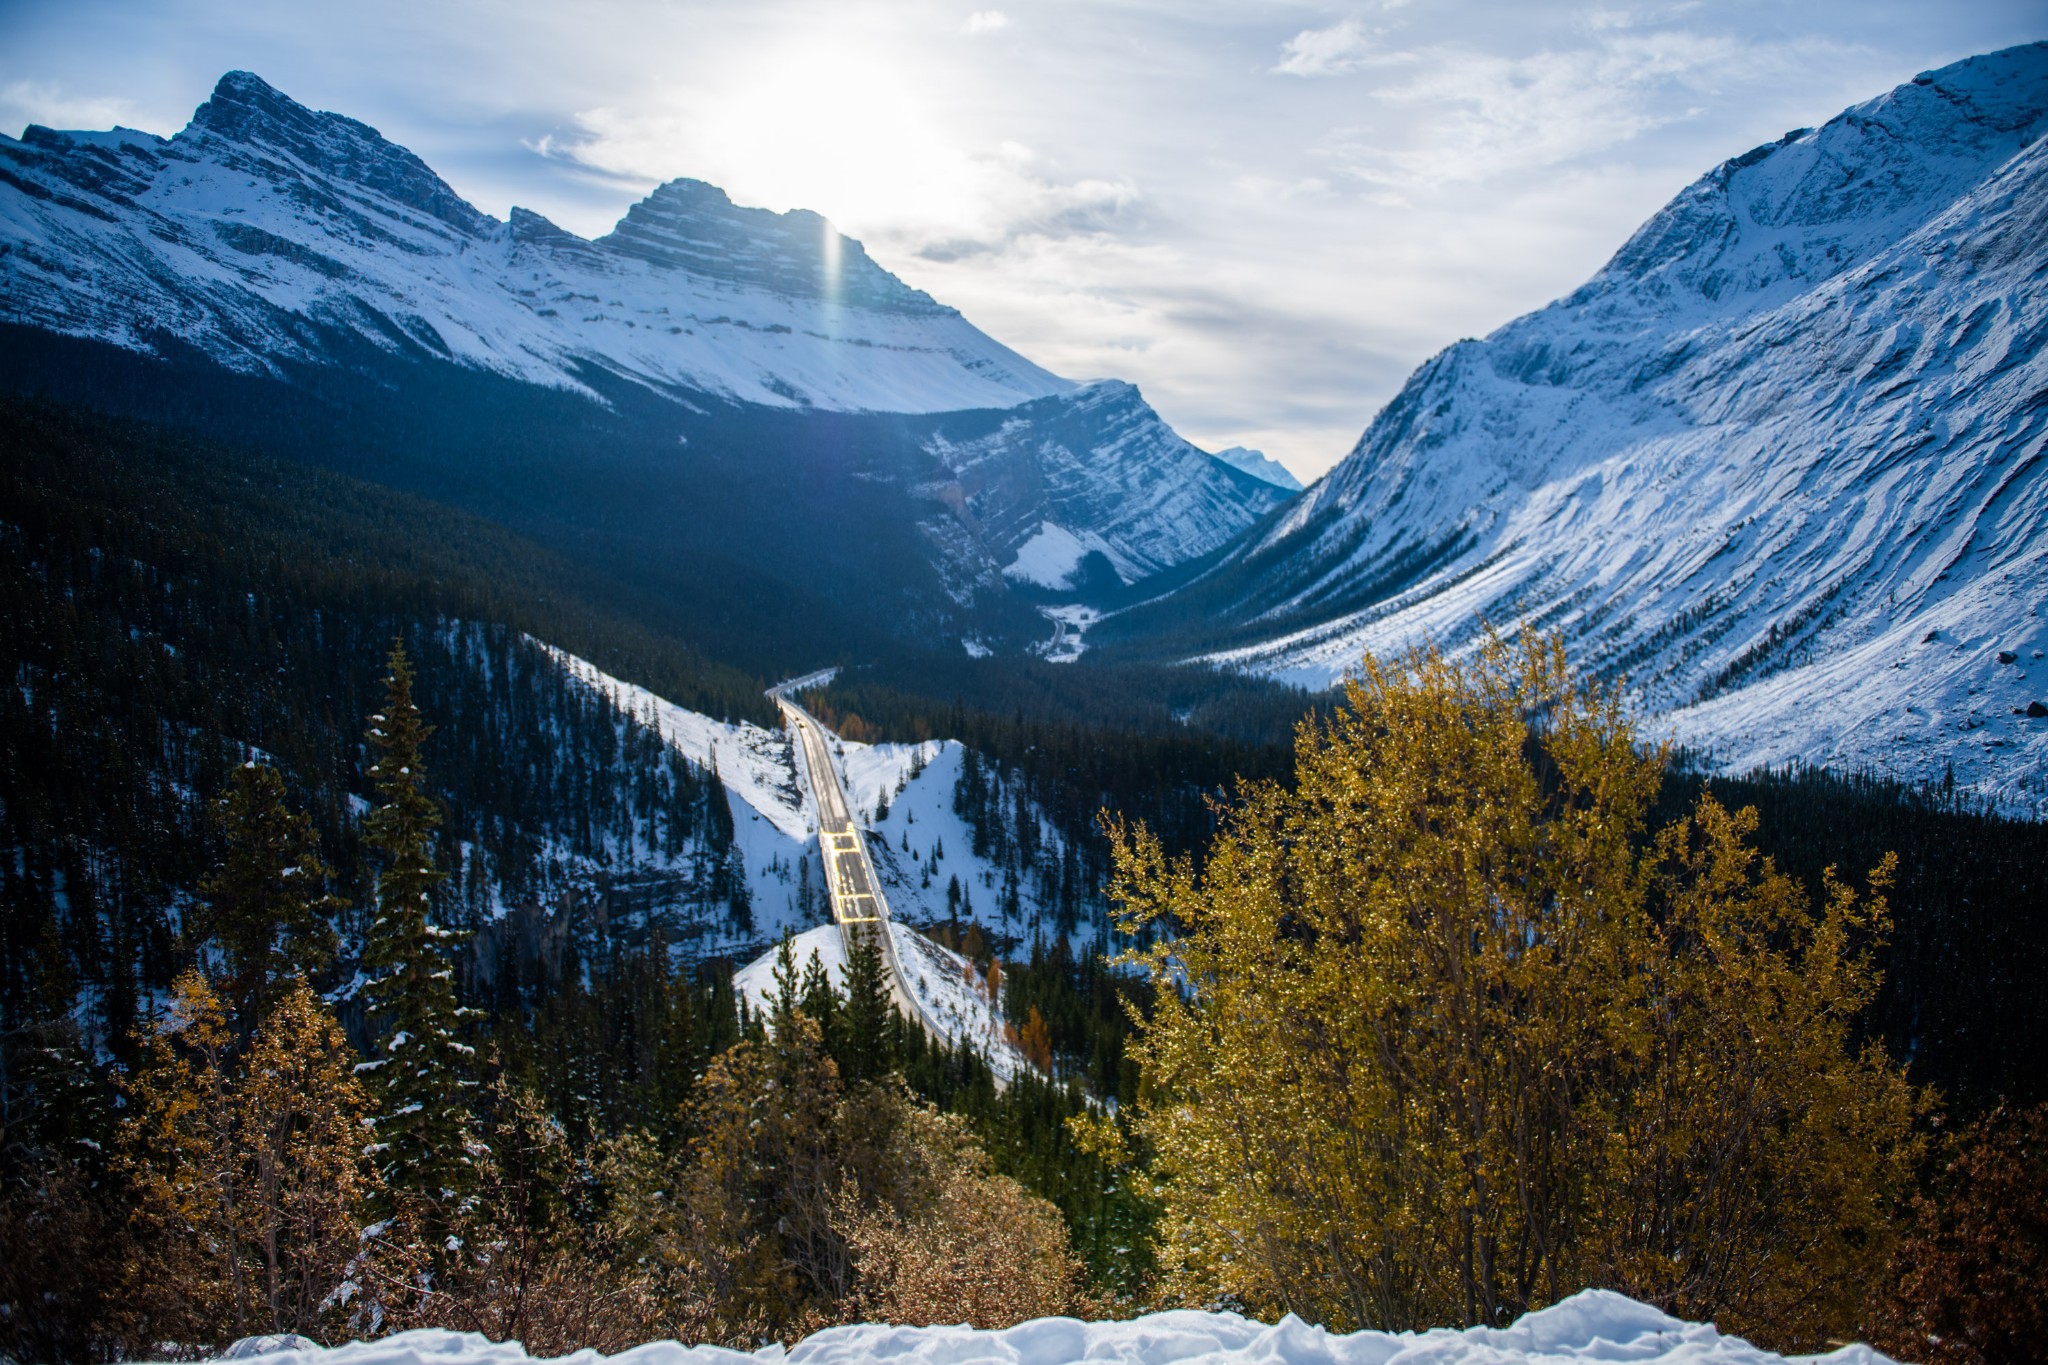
{"type": "Point", "coordinates": [282, 244]}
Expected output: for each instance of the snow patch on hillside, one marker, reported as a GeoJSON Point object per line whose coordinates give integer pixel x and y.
{"type": "Point", "coordinates": [754, 763]}
{"type": "Point", "coordinates": [1593, 1325]}
{"type": "Point", "coordinates": [1070, 631]}
{"type": "Point", "coordinates": [774, 821]}
{"type": "Point", "coordinates": [1049, 558]}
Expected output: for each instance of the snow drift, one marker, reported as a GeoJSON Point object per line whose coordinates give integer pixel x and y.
{"type": "Point", "coordinates": [1594, 1325]}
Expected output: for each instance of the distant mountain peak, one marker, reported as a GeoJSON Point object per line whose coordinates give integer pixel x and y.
{"type": "Point", "coordinates": [1260, 466]}
{"type": "Point", "coordinates": [247, 111]}
{"type": "Point", "coordinates": [689, 225]}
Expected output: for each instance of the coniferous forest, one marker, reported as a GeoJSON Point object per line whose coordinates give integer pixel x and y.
{"type": "Point", "coordinates": [361, 971]}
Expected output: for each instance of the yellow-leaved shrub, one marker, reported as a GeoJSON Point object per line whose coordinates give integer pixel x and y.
{"type": "Point", "coordinates": [1446, 1032]}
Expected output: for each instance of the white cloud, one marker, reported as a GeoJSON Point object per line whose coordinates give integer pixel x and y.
{"type": "Point", "coordinates": [880, 168]}
{"type": "Point", "coordinates": [1325, 51]}
{"type": "Point", "coordinates": [24, 102]}
{"type": "Point", "coordinates": [1489, 115]}
{"type": "Point", "coordinates": [986, 21]}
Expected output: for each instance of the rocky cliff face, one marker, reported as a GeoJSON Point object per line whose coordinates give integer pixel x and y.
{"type": "Point", "coordinates": [1096, 471]}
{"type": "Point", "coordinates": [1782, 464]}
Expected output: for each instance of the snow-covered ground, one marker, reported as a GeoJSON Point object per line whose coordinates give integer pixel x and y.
{"type": "Point", "coordinates": [1594, 1325]}
{"type": "Point", "coordinates": [1049, 557]}
{"type": "Point", "coordinates": [918, 845]}
{"type": "Point", "coordinates": [774, 822]}
{"type": "Point", "coordinates": [952, 996]}
{"type": "Point", "coordinates": [1070, 631]}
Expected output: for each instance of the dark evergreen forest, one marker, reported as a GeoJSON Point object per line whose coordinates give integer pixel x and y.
{"type": "Point", "coordinates": [748, 531]}
{"type": "Point", "coordinates": [171, 610]}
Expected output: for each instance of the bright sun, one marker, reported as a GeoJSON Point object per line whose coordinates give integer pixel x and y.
{"type": "Point", "coordinates": [842, 131]}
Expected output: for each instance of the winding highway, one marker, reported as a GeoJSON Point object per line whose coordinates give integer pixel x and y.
{"type": "Point", "coordinates": [857, 904]}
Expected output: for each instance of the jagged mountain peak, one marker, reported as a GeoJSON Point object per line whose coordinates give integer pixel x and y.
{"type": "Point", "coordinates": [690, 225]}
{"type": "Point", "coordinates": [1096, 469]}
{"type": "Point", "coordinates": [267, 234]}
{"type": "Point", "coordinates": [1819, 201]}
{"type": "Point", "coordinates": [247, 111]}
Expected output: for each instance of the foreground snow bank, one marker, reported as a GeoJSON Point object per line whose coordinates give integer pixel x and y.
{"type": "Point", "coordinates": [1591, 1326]}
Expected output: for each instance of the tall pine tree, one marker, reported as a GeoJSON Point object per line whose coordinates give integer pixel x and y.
{"type": "Point", "coordinates": [266, 904]}
{"type": "Point", "coordinates": [423, 1077]}
{"type": "Point", "coordinates": [867, 1049]}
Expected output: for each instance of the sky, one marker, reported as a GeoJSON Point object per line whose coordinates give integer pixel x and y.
{"type": "Point", "coordinates": [1266, 215]}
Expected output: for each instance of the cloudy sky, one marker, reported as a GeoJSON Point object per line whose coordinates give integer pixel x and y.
{"type": "Point", "coordinates": [1265, 214]}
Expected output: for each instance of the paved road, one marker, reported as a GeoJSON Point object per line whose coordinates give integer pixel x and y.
{"type": "Point", "coordinates": [857, 903]}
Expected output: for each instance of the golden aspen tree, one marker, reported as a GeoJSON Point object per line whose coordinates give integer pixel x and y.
{"type": "Point", "coordinates": [298, 1119]}
{"type": "Point", "coordinates": [247, 1173]}
{"type": "Point", "coordinates": [1445, 1032]}
{"type": "Point", "coordinates": [187, 1281]}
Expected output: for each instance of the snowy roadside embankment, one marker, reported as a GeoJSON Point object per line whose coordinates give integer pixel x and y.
{"type": "Point", "coordinates": [953, 997]}
{"type": "Point", "coordinates": [1594, 1325]}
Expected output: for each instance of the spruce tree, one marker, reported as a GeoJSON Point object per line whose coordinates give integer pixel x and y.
{"type": "Point", "coordinates": [266, 904]}
{"type": "Point", "coordinates": [818, 998]}
{"type": "Point", "coordinates": [867, 1038]}
{"type": "Point", "coordinates": [423, 1075]}
{"type": "Point", "coordinates": [787, 1001]}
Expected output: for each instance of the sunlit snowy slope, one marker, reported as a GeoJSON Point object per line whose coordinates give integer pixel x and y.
{"type": "Point", "coordinates": [263, 221]}
{"type": "Point", "coordinates": [952, 996]}
{"type": "Point", "coordinates": [1783, 463]}
{"type": "Point", "coordinates": [1591, 1326]}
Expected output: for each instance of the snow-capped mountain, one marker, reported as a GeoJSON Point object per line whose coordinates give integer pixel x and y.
{"type": "Point", "coordinates": [1782, 464]}
{"type": "Point", "coordinates": [264, 224]}
{"type": "Point", "coordinates": [304, 250]}
{"type": "Point", "coordinates": [1094, 471]}
{"type": "Point", "coordinates": [1260, 465]}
